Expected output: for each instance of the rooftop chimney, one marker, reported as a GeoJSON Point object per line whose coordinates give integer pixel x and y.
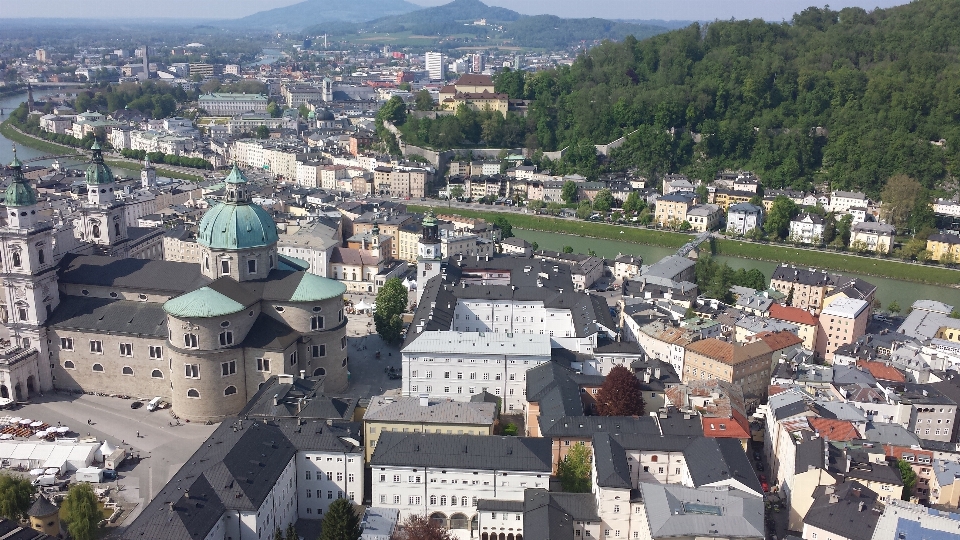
{"type": "Point", "coordinates": [276, 400]}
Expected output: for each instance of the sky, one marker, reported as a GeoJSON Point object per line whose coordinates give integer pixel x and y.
{"type": "Point", "coordinates": [772, 10]}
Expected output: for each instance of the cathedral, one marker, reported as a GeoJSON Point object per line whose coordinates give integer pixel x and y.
{"type": "Point", "coordinates": [203, 336]}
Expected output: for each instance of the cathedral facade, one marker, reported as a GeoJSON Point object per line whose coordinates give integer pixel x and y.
{"type": "Point", "coordinates": [204, 336]}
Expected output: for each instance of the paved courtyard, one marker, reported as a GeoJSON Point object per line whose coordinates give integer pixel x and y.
{"type": "Point", "coordinates": [367, 372]}
{"type": "Point", "coordinates": [163, 448]}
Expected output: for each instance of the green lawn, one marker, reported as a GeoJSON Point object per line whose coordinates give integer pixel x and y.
{"type": "Point", "coordinates": [579, 228]}
{"type": "Point", "coordinates": [136, 166]}
{"type": "Point", "coordinates": [886, 268]}
{"type": "Point", "coordinates": [11, 133]}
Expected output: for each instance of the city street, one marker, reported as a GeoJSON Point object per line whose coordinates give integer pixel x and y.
{"type": "Point", "coordinates": [162, 448]}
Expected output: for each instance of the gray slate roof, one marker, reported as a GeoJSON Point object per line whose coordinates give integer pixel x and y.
{"type": "Point", "coordinates": [446, 411]}
{"type": "Point", "coordinates": [463, 452]}
{"type": "Point", "coordinates": [164, 277]}
{"type": "Point", "coordinates": [551, 516]}
{"type": "Point", "coordinates": [677, 511]}
{"type": "Point", "coordinates": [125, 317]}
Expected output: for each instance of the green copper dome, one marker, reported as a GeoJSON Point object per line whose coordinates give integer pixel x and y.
{"type": "Point", "coordinates": [236, 223]}
{"type": "Point", "coordinates": [98, 172]}
{"type": "Point", "coordinates": [313, 288]}
{"type": "Point", "coordinates": [429, 220]}
{"type": "Point", "coordinates": [202, 303]}
{"type": "Point", "coordinates": [19, 192]}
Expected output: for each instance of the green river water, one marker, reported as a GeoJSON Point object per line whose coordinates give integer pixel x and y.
{"type": "Point", "coordinates": [888, 290]}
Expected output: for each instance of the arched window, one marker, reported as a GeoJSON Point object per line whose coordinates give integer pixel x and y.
{"type": "Point", "coordinates": [40, 256]}
{"type": "Point", "coordinates": [68, 364]}
{"type": "Point", "coordinates": [127, 370]}
{"type": "Point", "coordinates": [96, 231]}
{"type": "Point", "coordinates": [116, 229]}
{"type": "Point", "coordinates": [193, 393]}
{"type": "Point", "coordinates": [16, 259]}
{"type": "Point", "coordinates": [653, 459]}
{"type": "Point", "coordinates": [156, 374]}
{"type": "Point", "coordinates": [319, 372]}
{"type": "Point", "coordinates": [230, 390]}
{"type": "Point", "coordinates": [97, 367]}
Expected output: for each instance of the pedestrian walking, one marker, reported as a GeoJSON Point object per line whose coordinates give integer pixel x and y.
{"type": "Point", "coordinates": [138, 434]}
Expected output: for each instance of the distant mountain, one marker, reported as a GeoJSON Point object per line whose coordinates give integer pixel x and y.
{"type": "Point", "coordinates": [313, 12]}
{"type": "Point", "coordinates": [503, 25]}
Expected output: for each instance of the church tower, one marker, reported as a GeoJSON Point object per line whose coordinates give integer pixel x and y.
{"type": "Point", "coordinates": [102, 221]}
{"type": "Point", "coordinates": [148, 176]}
{"type": "Point", "coordinates": [237, 238]}
{"type": "Point", "coordinates": [429, 254]}
{"type": "Point", "coordinates": [30, 292]}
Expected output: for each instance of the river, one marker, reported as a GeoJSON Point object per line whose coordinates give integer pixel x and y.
{"type": "Point", "coordinates": [888, 290]}
{"type": "Point", "coordinates": [8, 104]}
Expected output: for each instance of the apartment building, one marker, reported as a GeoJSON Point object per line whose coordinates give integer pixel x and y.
{"type": "Point", "coordinates": [671, 210]}
{"type": "Point", "coordinates": [421, 414]}
{"type": "Point", "coordinates": [226, 104]}
{"type": "Point", "coordinates": [744, 364]}
{"type": "Point", "coordinates": [872, 236]}
{"type": "Point", "coordinates": [840, 323]}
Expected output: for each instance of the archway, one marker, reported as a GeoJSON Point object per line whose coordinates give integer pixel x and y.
{"type": "Point", "coordinates": [17, 392]}
{"type": "Point", "coordinates": [474, 523]}
{"type": "Point", "coordinates": [319, 372]}
{"type": "Point", "coordinates": [4, 392]}
{"type": "Point", "coordinates": [459, 521]}
{"type": "Point", "coordinates": [510, 536]}
{"type": "Point", "coordinates": [31, 385]}
{"type": "Point", "coordinates": [485, 536]}
{"type": "Point", "coordinates": [439, 518]}
{"type": "Point", "coordinates": [503, 536]}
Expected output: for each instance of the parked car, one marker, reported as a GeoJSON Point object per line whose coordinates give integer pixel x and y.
{"type": "Point", "coordinates": [136, 405]}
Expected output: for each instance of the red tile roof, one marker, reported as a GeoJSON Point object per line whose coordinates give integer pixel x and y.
{"type": "Point", "coordinates": [736, 427]}
{"type": "Point", "coordinates": [792, 314]}
{"type": "Point", "coordinates": [779, 340]}
{"type": "Point", "coordinates": [834, 430]}
{"type": "Point", "coordinates": [729, 353]}
{"type": "Point", "coordinates": [881, 371]}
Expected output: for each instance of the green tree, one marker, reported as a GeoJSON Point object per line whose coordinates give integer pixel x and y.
{"type": "Point", "coordinates": [424, 101]}
{"type": "Point", "coordinates": [567, 249]}
{"type": "Point", "coordinates": [274, 110]}
{"type": "Point", "coordinates": [909, 478]}
{"type": "Point", "coordinates": [702, 193]}
{"type": "Point", "coordinates": [535, 205]}
{"type": "Point", "coordinates": [575, 469]}
{"type": "Point", "coordinates": [553, 208]}
{"type": "Point", "coordinates": [685, 226]}
{"type": "Point", "coordinates": [534, 246]}
{"type": "Point", "coordinates": [829, 228]}
{"type": "Point", "coordinates": [506, 229]}
{"type": "Point", "coordinates": [291, 533]}
{"type": "Point", "coordinates": [584, 210]}
{"type": "Point", "coordinates": [569, 192]}
{"type": "Point", "coordinates": [456, 192]}
{"type": "Point", "coordinates": [391, 301]}
{"type": "Point", "coordinates": [778, 220]}
{"type": "Point", "coordinates": [790, 297]}
{"type": "Point", "coordinates": [900, 197]}
{"type": "Point", "coordinates": [620, 394]}
{"type": "Point", "coordinates": [893, 307]}
{"type": "Point", "coordinates": [603, 201]}
{"type": "Point", "coordinates": [80, 511]}
{"type": "Point", "coordinates": [954, 314]}
{"type": "Point", "coordinates": [633, 203]}
{"type": "Point", "coordinates": [15, 495]}
{"type": "Point", "coordinates": [263, 132]}
{"type": "Point", "coordinates": [340, 522]}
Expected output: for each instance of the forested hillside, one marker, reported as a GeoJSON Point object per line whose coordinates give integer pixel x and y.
{"type": "Point", "coordinates": [850, 97]}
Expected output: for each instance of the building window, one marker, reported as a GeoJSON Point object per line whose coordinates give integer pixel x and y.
{"type": "Point", "coordinates": [66, 344]}
{"type": "Point", "coordinates": [224, 267]}
{"type": "Point", "coordinates": [316, 322]}
{"type": "Point", "coordinates": [16, 259]}
{"type": "Point", "coordinates": [191, 371]}
{"type": "Point", "coordinates": [228, 368]}
{"type": "Point", "coordinates": [98, 367]}
{"type": "Point", "coordinates": [68, 364]}
{"type": "Point", "coordinates": [343, 342]}
{"type": "Point", "coordinates": [263, 364]}
{"type": "Point", "coordinates": [226, 338]}
{"type": "Point", "coordinates": [156, 352]}
{"type": "Point", "coordinates": [126, 349]}
{"type": "Point", "coordinates": [252, 266]}
{"type": "Point", "coordinates": [190, 341]}
{"type": "Point", "coordinates": [96, 346]}
{"type": "Point", "coordinates": [127, 370]}
{"type": "Point", "coordinates": [230, 390]}
{"type": "Point", "coordinates": [193, 393]}
{"type": "Point", "coordinates": [293, 359]}
{"type": "Point", "coordinates": [156, 374]}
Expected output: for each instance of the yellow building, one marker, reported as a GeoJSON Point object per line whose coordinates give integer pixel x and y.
{"type": "Point", "coordinates": [425, 415]}
{"type": "Point", "coordinates": [478, 101]}
{"type": "Point", "coordinates": [725, 198]}
{"type": "Point", "coordinates": [746, 365]}
{"type": "Point", "coordinates": [943, 244]}
{"type": "Point", "coordinates": [672, 209]}
{"type": "Point", "coordinates": [44, 517]}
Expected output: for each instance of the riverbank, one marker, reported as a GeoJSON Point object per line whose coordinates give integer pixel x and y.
{"type": "Point", "coordinates": [542, 223]}
{"type": "Point", "coordinates": [11, 132]}
{"type": "Point", "coordinates": [869, 266]}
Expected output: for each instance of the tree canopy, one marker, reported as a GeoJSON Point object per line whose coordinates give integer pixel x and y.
{"type": "Point", "coordinates": [574, 470]}
{"type": "Point", "coordinates": [80, 511]}
{"type": "Point", "coordinates": [15, 497]}
{"type": "Point", "coordinates": [421, 528]}
{"type": "Point", "coordinates": [391, 301]}
{"type": "Point", "coordinates": [620, 394]}
{"type": "Point", "coordinates": [847, 97]}
{"type": "Point", "coordinates": [340, 522]}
